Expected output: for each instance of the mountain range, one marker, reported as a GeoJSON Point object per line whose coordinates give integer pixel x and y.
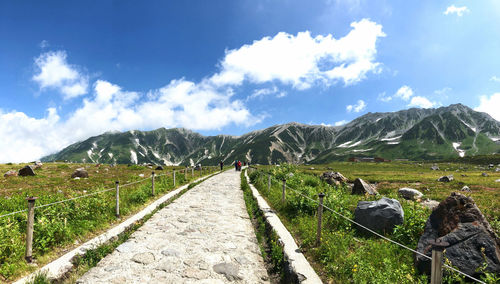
{"type": "Point", "coordinates": [415, 134]}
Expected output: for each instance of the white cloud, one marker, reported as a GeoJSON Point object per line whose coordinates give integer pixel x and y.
{"type": "Point", "coordinates": [179, 104]}
{"type": "Point", "coordinates": [360, 106]}
{"type": "Point", "coordinates": [342, 122]}
{"type": "Point", "coordinates": [459, 11]}
{"type": "Point", "coordinates": [490, 105]}
{"type": "Point", "coordinates": [443, 91]}
{"type": "Point", "coordinates": [384, 98]}
{"type": "Point", "coordinates": [302, 60]}
{"type": "Point", "coordinates": [260, 93]}
{"type": "Point", "coordinates": [53, 71]}
{"type": "Point", "coordinates": [404, 93]}
{"type": "Point", "coordinates": [422, 102]}
{"type": "Point", "coordinates": [495, 79]}
{"type": "Point", "coordinates": [44, 44]}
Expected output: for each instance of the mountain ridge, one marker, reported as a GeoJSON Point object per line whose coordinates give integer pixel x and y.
{"type": "Point", "coordinates": [445, 132]}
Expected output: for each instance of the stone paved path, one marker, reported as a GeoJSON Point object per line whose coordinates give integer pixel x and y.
{"type": "Point", "coordinates": [205, 236]}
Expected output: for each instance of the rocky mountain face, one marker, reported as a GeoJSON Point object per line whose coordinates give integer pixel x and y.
{"type": "Point", "coordinates": [445, 132]}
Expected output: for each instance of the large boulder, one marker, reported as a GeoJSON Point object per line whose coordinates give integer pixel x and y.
{"type": "Point", "coordinates": [81, 173]}
{"type": "Point", "coordinates": [381, 215]}
{"type": "Point", "coordinates": [446, 178]}
{"type": "Point", "coordinates": [459, 222]}
{"type": "Point", "coordinates": [410, 193]}
{"type": "Point", "coordinates": [362, 187]}
{"type": "Point", "coordinates": [333, 178]}
{"type": "Point", "coordinates": [159, 168]}
{"type": "Point", "coordinates": [26, 171]}
{"type": "Point", "coordinates": [435, 168]}
{"type": "Point", "coordinates": [10, 174]}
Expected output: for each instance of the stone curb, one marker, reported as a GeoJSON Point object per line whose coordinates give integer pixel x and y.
{"type": "Point", "coordinates": [59, 267]}
{"type": "Point", "coordinates": [299, 265]}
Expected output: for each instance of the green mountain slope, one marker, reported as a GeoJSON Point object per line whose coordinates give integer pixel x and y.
{"type": "Point", "coordinates": [446, 132]}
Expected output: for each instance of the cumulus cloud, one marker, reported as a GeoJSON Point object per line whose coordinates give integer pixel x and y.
{"type": "Point", "coordinates": [382, 97]}
{"type": "Point", "coordinates": [53, 71]}
{"type": "Point", "coordinates": [302, 60]}
{"type": "Point", "coordinates": [360, 106]}
{"type": "Point", "coordinates": [422, 102]}
{"type": "Point", "coordinates": [490, 105]}
{"type": "Point", "coordinates": [341, 122]}
{"type": "Point", "coordinates": [181, 103]}
{"type": "Point", "coordinates": [404, 93]}
{"type": "Point", "coordinates": [459, 11]}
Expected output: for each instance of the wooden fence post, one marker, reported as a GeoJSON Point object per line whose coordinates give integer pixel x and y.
{"type": "Point", "coordinates": [174, 178]}
{"type": "Point", "coordinates": [117, 206]}
{"type": "Point", "coordinates": [29, 229]}
{"type": "Point", "coordinates": [320, 215]}
{"type": "Point", "coordinates": [153, 183]}
{"type": "Point", "coordinates": [283, 191]}
{"type": "Point", "coordinates": [437, 260]}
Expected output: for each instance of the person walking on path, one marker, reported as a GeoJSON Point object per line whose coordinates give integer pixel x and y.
{"type": "Point", "coordinates": [239, 166]}
{"type": "Point", "coordinates": [236, 165]}
{"type": "Point", "coordinates": [221, 163]}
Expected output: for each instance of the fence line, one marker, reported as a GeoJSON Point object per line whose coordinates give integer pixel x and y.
{"type": "Point", "coordinates": [372, 231]}
{"type": "Point", "coordinates": [82, 196]}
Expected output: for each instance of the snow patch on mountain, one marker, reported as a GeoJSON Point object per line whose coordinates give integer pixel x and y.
{"type": "Point", "coordinates": [133, 157]}
{"type": "Point", "coordinates": [349, 145]}
{"type": "Point", "coordinates": [461, 153]}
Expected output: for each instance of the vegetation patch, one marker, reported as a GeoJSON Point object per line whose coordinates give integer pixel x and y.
{"type": "Point", "coordinates": [346, 254]}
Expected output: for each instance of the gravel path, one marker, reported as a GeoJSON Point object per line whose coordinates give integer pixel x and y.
{"type": "Point", "coordinates": [205, 236]}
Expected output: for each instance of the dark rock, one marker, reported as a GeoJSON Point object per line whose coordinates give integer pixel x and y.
{"type": "Point", "coordinates": [410, 193]}
{"type": "Point", "coordinates": [10, 174]}
{"type": "Point", "coordinates": [333, 178]}
{"type": "Point", "coordinates": [159, 168]}
{"type": "Point", "coordinates": [446, 178]}
{"type": "Point", "coordinates": [458, 221]}
{"type": "Point", "coordinates": [381, 215]}
{"type": "Point", "coordinates": [81, 173]}
{"type": "Point", "coordinates": [361, 187]}
{"type": "Point", "coordinates": [228, 269]}
{"type": "Point", "coordinates": [484, 174]}
{"type": "Point", "coordinates": [26, 171]}
{"type": "Point", "coordinates": [435, 168]}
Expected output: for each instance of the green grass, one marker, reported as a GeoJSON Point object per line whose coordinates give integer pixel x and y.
{"type": "Point", "coordinates": [348, 255]}
{"type": "Point", "coordinates": [59, 227]}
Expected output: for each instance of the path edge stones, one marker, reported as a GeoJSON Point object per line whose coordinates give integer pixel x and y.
{"type": "Point", "coordinates": [58, 268]}
{"type": "Point", "coordinates": [298, 264]}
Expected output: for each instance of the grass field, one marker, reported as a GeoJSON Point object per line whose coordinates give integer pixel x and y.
{"type": "Point", "coordinates": [347, 255]}
{"type": "Point", "coordinates": [60, 227]}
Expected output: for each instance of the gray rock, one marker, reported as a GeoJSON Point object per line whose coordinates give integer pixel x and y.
{"type": "Point", "coordinates": [144, 258]}
{"type": "Point", "coordinates": [498, 180]}
{"type": "Point", "coordinates": [435, 168]}
{"type": "Point", "coordinates": [429, 203]}
{"type": "Point", "coordinates": [81, 173]}
{"type": "Point", "coordinates": [466, 188]}
{"type": "Point", "coordinates": [381, 215]}
{"type": "Point", "coordinates": [497, 170]}
{"type": "Point", "coordinates": [170, 252]}
{"type": "Point", "coordinates": [458, 221]}
{"type": "Point", "coordinates": [26, 171]}
{"type": "Point", "coordinates": [410, 193]}
{"type": "Point", "coordinates": [484, 174]}
{"type": "Point", "coordinates": [446, 178]}
{"type": "Point", "coordinates": [361, 187]}
{"type": "Point", "coordinates": [333, 178]}
{"type": "Point", "coordinates": [229, 270]}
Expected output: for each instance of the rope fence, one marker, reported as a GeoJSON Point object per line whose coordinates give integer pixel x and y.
{"type": "Point", "coordinates": [31, 200]}
{"type": "Point", "coordinates": [436, 260]}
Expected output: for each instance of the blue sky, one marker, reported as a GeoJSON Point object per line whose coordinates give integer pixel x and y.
{"type": "Point", "coordinates": [70, 70]}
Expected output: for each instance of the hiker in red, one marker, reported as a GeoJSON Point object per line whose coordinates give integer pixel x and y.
{"type": "Point", "coordinates": [239, 165]}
